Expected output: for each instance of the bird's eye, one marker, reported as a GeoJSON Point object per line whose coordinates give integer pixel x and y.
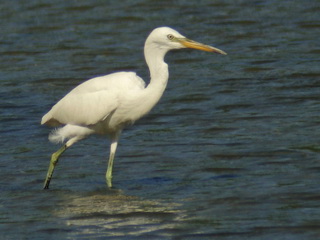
{"type": "Point", "coordinates": [170, 36]}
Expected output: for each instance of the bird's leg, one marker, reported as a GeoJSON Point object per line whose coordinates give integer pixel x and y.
{"type": "Point", "coordinates": [113, 149]}
{"type": "Point", "coordinates": [53, 162]}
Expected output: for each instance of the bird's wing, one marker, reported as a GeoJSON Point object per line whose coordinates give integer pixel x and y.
{"type": "Point", "coordinates": [92, 101]}
{"type": "Point", "coordinates": [82, 109]}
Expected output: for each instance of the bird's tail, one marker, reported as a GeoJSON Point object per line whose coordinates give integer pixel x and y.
{"type": "Point", "coordinates": [60, 135]}
{"type": "Point", "coordinates": [57, 136]}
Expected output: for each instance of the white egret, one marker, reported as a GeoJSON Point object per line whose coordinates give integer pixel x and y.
{"type": "Point", "coordinates": [105, 105]}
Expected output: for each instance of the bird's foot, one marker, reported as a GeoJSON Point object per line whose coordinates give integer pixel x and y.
{"type": "Point", "coordinates": [109, 182]}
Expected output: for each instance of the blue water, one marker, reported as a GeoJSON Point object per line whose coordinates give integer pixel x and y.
{"type": "Point", "coordinates": [230, 152]}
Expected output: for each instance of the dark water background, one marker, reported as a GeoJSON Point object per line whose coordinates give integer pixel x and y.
{"type": "Point", "coordinates": [230, 152]}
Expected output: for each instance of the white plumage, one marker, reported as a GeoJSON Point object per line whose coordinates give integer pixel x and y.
{"type": "Point", "coordinates": [105, 105]}
{"type": "Point", "coordinates": [94, 100]}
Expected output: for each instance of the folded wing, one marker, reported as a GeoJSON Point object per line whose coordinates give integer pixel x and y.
{"type": "Point", "coordinates": [92, 101]}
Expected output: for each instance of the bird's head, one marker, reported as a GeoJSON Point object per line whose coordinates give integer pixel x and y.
{"type": "Point", "coordinates": [167, 38]}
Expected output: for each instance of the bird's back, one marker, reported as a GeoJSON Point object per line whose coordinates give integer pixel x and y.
{"type": "Point", "coordinates": [114, 81]}
{"type": "Point", "coordinates": [93, 100]}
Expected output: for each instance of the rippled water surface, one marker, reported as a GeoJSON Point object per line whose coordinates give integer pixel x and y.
{"type": "Point", "coordinates": [230, 152]}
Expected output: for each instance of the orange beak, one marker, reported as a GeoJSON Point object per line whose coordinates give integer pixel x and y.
{"type": "Point", "coordinates": [196, 45]}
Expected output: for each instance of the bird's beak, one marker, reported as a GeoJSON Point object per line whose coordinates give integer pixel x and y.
{"type": "Point", "coordinates": [196, 45]}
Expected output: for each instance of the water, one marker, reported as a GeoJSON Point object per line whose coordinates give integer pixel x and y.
{"type": "Point", "coordinates": [230, 152]}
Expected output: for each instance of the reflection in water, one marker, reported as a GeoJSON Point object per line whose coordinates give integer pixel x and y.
{"type": "Point", "coordinates": [116, 214]}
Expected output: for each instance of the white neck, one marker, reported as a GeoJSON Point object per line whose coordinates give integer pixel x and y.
{"type": "Point", "coordinates": [159, 73]}
{"type": "Point", "coordinates": [159, 77]}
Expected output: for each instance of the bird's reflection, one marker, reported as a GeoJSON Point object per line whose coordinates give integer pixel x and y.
{"type": "Point", "coordinates": [115, 214]}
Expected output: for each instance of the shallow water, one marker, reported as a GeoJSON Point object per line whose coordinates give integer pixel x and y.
{"type": "Point", "coordinates": [230, 152]}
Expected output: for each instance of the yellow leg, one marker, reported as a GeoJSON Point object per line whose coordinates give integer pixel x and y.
{"type": "Point", "coordinates": [113, 149]}
{"type": "Point", "coordinates": [53, 162]}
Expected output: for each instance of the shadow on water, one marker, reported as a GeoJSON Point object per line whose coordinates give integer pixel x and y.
{"type": "Point", "coordinates": [111, 213]}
